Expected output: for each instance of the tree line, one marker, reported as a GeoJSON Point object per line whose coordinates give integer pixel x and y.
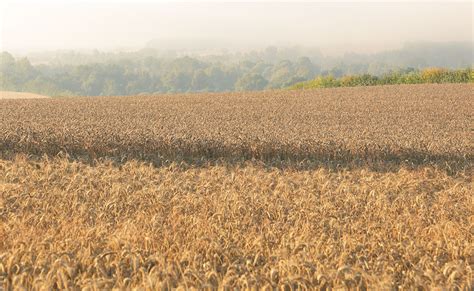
{"type": "Point", "coordinates": [150, 75]}
{"type": "Point", "coordinates": [151, 71]}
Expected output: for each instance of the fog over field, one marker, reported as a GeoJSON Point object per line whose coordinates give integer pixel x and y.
{"type": "Point", "coordinates": [77, 48]}
{"type": "Point", "coordinates": [365, 27]}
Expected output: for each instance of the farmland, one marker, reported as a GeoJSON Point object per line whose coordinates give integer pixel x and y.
{"type": "Point", "coordinates": [418, 124]}
{"type": "Point", "coordinates": [20, 95]}
{"type": "Point", "coordinates": [367, 187]}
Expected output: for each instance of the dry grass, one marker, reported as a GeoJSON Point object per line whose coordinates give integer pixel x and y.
{"type": "Point", "coordinates": [338, 188]}
{"type": "Point", "coordinates": [20, 95]}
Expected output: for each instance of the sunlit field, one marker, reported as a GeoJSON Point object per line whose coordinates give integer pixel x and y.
{"type": "Point", "coordinates": [367, 187]}
{"type": "Point", "coordinates": [20, 95]}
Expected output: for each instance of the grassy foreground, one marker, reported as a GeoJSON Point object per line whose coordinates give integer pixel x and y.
{"type": "Point", "coordinates": [367, 188]}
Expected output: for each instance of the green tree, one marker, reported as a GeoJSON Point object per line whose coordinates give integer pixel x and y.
{"type": "Point", "coordinates": [200, 80]}
{"type": "Point", "coordinates": [250, 82]}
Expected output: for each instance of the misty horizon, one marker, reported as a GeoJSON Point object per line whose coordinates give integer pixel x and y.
{"type": "Point", "coordinates": [116, 47]}
{"type": "Point", "coordinates": [334, 28]}
{"type": "Point", "coordinates": [177, 48]}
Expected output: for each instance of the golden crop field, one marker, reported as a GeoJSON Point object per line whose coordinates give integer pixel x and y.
{"type": "Point", "coordinates": [344, 188]}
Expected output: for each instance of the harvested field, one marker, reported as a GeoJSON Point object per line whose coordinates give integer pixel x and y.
{"type": "Point", "coordinates": [366, 188]}
{"type": "Point", "coordinates": [20, 95]}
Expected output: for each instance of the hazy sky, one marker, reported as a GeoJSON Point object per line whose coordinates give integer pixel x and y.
{"type": "Point", "coordinates": [50, 25]}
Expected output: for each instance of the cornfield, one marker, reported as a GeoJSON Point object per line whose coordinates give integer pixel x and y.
{"type": "Point", "coordinates": [343, 188]}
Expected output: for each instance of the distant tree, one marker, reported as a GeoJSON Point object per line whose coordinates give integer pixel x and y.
{"type": "Point", "coordinates": [251, 82]}
{"type": "Point", "coordinates": [282, 72]}
{"type": "Point", "coordinates": [7, 61]}
{"type": "Point", "coordinates": [7, 72]}
{"type": "Point", "coordinates": [305, 69]}
{"type": "Point", "coordinates": [93, 84]}
{"type": "Point", "coordinates": [200, 80]}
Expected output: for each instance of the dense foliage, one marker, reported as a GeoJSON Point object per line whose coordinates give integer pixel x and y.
{"type": "Point", "coordinates": [410, 76]}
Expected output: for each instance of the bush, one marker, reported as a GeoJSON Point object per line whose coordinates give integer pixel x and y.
{"type": "Point", "coordinates": [429, 75]}
{"type": "Point", "coordinates": [433, 75]}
